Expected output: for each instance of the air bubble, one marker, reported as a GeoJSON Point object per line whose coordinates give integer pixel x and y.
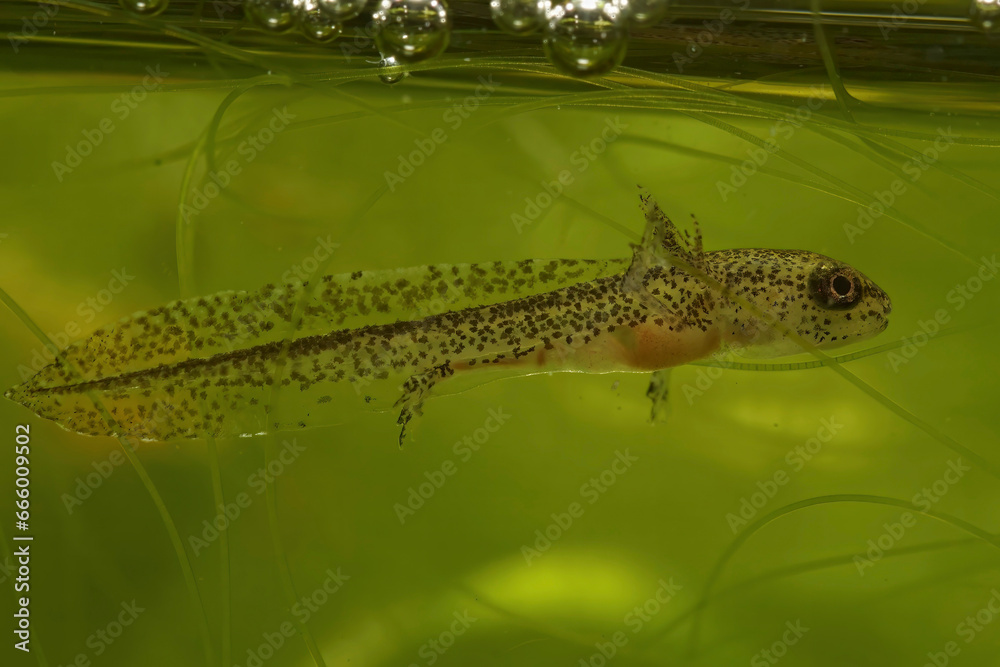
{"type": "Point", "coordinates": [986, 14]}
{"type": "Point", "coordinates": [145, 7]}
{"type": "Point", "coordinates": [645, 12]}
{"type": "Point", "coordinates": [341, 10]}
{"type": "Point", "coordinates": [586, 37]}
{"type": "Point", "coordinates": [314, 23]}
{"type": "Point", "coordinates": [519, 17]}
{"type": "Point", "coordinates": [412, 30]}
{"type": "Point", "coordinates": [272, 15]}
{"type": "Point", "coordinates": [390, 70]}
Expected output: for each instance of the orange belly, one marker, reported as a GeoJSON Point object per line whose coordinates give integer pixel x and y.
{"type": "Point", "coordinates": [649, 347]}
{"type": "Point", "coordinates": [646, 347]}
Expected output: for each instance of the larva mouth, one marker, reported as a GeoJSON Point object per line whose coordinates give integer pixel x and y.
{"type": "Point", "coordinates": [879, 294]}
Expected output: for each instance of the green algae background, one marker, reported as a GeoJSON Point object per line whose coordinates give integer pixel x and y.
{"type": "Point", "coordinates": [841, 515]}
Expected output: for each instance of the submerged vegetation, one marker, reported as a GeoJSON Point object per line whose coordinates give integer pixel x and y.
{"type": "Point", "coordinates": [198, 154]}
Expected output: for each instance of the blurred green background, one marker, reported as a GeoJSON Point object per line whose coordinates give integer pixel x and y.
{"type": "Point", "coordinates": [870, 549]}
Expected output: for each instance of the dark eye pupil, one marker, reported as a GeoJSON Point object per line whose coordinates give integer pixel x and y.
{"type": "Point", "coordinates": [841, 286]}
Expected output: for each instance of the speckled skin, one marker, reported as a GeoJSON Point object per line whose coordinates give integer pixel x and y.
{"type": "Point", "coordinates": [210, 365]}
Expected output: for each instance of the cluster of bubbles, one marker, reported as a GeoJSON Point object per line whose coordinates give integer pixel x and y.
{"type": "Point", "coordinates": [406, 31]}
{"type": "Point", "coordinates": [319, 20]}
{"type": "Point", "coordinates": [581, 37]}
{"type": "Point", "coordinates": [986, 14]}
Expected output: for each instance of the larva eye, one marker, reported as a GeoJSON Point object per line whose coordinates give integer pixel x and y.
{"type": "Point", "coordinates": [834, 289]}
{"type": "Point", "coordinates": [841, 285]}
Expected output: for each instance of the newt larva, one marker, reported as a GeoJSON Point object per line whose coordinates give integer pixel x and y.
{"type": "Point", "coordinates": [207, 366]}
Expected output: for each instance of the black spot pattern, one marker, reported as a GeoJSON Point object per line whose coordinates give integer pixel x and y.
{"type": "Point", "coordinates": [381, 339]}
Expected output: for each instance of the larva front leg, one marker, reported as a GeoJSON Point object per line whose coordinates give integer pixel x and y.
{"type": "Point", "coordinates": [659, 394]}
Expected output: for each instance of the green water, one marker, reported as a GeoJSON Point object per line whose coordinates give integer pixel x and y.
{"type": "Point", "coordinates": [844, 544]}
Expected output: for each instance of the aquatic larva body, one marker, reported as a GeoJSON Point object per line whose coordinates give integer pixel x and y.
{"type": "Point", "coordinates": [302, 355]}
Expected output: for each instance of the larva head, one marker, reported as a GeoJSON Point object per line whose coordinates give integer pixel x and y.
{"type": "Point", "coordinates": [825, 302]}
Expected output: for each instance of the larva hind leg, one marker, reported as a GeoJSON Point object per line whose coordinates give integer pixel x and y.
{"type": "Point", "coordinates": [416, 389]}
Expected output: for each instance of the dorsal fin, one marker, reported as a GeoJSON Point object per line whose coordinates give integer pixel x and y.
{"type": "Point", "coordinates": [663, 244]}
{"type": "Point", "coordinates": [662, 238]}
{"type": "Point", "coordinates": [663, 248]}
